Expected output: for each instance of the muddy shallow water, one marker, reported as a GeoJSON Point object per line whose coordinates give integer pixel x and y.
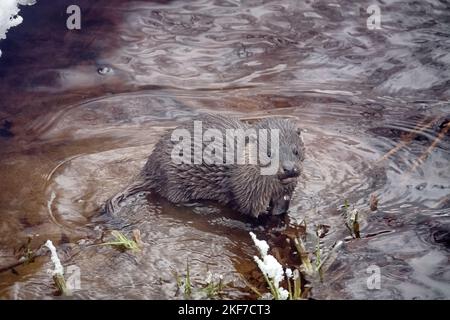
{"type": "Point", "coordinates": [81, 110]}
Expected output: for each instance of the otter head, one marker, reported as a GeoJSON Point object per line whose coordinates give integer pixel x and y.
{"type": "Point", "coordinates": [267, 186]}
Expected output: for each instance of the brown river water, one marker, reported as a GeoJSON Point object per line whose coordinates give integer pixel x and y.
{"type": "Point", "coordinates": [81, 110]}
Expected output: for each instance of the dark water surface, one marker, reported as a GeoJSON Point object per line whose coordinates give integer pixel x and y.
{"type": "Point", "coordinates": [81, 110]}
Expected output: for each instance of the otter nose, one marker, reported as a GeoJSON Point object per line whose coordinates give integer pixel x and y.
{"type": "Point", "coordinates": [290, 169]}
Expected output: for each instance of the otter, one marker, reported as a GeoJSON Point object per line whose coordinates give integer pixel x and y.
{"type": "Point", "coordinates": [240, 185]}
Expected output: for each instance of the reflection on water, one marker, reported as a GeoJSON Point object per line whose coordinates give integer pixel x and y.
{"type": "Point", "coordinates": [81, 111]}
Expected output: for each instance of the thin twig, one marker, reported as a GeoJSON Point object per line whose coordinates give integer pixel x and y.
{"type": "Point", "coordinates": [425, 155]}
{"type": "Point", "coordinates": [419, 128]}
{"type": "Point", "coordinates": [267, 117]}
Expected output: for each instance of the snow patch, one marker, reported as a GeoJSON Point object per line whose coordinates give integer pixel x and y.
{"type": "Point", "coordinates": [9, 15]}
{"type": "Point", "coordinates": [55, 259]}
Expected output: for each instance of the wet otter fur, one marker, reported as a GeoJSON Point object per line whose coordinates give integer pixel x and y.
{"type": "Point", "coordinates": [241, 186]}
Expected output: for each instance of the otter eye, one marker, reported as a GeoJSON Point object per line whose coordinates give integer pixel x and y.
{"type": "Point", "coordinates": [269, 154]}
{"type": "Point", "coordinates": [295, 152]}
{"type": "Point", "coordinates": [299, 131]}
